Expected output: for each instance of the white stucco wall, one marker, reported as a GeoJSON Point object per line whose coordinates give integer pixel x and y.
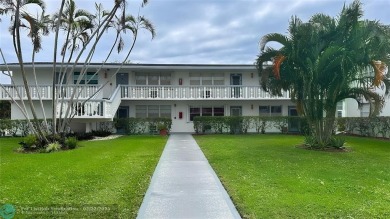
{"type": "Point", "coordinates": [185, 125]}
{"type": "Point", "coordinates": [17, 114]}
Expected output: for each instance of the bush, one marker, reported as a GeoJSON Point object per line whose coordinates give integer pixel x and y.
{"type": "Point", "coordinates": [55, 146]}
{"type": "Point", "coordinates": [337, 142]}
{"type": "Point", "coordinates": [134, 126]}
{"type": "Point", "coordinates": [71, 143]}
{"type": "Point", "coordinates": [101, 133]}
{"type": "Point", "coordinates": [30, 141]}
{"type": "Point", "coordinates": [55, 138]}
{"type": "Point", "coordinates": [5, 126]}
{"type": "Point", "coordinates": [81, 135]}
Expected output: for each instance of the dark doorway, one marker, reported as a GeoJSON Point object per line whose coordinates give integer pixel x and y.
{"type": "Point", "coordinates": [236, 123]}
{"type": "Point", "coordinates": [236, 81]}
{"type": "Point", "coordinates": [293, 124]}
{"type": "Point", "coordinates": [236, 111]}
{"type": "Point", "coordinates": [122, 79]}
{"type": "Point", "coordinates": [122, 114]}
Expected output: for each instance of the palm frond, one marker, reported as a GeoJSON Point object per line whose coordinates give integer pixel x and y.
{"type": "Point", "coordinates": [272, 37]}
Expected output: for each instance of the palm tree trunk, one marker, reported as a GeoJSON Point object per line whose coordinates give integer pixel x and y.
{"type": "Point", "coordinates": [39, 93]}
{"type": "Point", "coordinates": [54, 98]}
{"type": "Point", "coordinates": [18, 50]}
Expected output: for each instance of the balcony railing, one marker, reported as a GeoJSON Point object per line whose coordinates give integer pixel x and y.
{"type": "Point", "coordinates": [97, 107]}
{"type": "Point", "coordinates": [87, 109]}
{"type": "Point", "coordinates": [197, 93]}
{"type": "Point", "coordinates": [45, 91]}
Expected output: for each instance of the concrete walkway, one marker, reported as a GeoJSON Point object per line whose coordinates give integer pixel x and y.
{"type": "Point", "coordinates": [185, 186]}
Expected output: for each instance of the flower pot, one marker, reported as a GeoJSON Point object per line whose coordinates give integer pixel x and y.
{"type": "Point", "coordinates": [163, 132]}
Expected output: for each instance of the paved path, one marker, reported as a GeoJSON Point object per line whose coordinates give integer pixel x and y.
{"type": "Point", "coordinates": [185, 186]}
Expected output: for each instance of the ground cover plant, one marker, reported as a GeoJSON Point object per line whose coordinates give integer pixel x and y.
{"type": "Point", "coordinates": [105, 172]}
{"type": "Point", "coordinates": [267, 176]}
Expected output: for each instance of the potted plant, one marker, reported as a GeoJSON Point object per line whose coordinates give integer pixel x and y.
{"type": "Point", "coordinates": [163, 129]}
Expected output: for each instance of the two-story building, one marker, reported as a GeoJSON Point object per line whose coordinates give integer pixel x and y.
{"type": "Point", "coordinates": [176, 91]}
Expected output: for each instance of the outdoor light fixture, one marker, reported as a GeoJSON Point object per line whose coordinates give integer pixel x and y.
{"type": "Point", "coordinates": [105, 72]}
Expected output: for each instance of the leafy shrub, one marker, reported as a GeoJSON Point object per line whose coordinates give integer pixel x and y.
{"type": "Point", "coordinates": [337, 142]}
{"type": "Point", "coordinates": [5, 126]}
{"type": "Point", "coordinates": [101, 133]}
{"type": "Point", "coordinates": [55, 138]}
{"type": "Point", "coordinates": [107, 126]}
{"type": "Point", "coordinates": [71, 142]}
{"type": "Point", "coordinates": [30, 141]}
{"type": "Point", "coordinates": [82, 135]}
{"type": "Point", "coordinates": [133, 126]}
{"type": "Point", "coordinates": [280, 122]}
{"type": "Point", "coordinates": [310, 141]}
{"type": "Point", "coordinates": [55, 146]}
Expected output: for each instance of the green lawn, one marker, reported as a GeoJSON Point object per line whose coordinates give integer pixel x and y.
{"type": "Point", "coordinates": [100, 172]}
{"type": "Point", "coordinates": [268, 177]}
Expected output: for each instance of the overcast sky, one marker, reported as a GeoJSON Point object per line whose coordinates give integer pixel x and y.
{"type": "Point", "coordinates": [201, 31]}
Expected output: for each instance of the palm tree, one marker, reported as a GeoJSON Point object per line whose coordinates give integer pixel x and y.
{"type": "Point", "coordinates": [327, 60]}
{"type": "Point", "coordinates": [37, 27]}
{"type": "Point", "coordinates": [77, 24]}
{"type": "Point", "coordinates": [15, 9]}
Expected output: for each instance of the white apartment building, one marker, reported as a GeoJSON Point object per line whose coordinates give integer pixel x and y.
{"type": "Point", "coordinates": [176, 91]}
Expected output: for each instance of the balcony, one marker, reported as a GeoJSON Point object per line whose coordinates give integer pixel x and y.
{"type": "Point", "coordinates": [197, 93]}
{"type": "Point", "coordinates": [91, 109]}
{"type": "Point", "coordinates": [45, 91]}
{"type": "Point", "coordinates": [96, 107]}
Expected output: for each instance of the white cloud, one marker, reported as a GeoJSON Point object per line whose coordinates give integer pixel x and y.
{"type": "Point", "coordinates": [204, 31]}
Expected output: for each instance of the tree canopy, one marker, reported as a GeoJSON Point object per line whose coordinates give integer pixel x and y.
{"type": "Point", "coordinates": [78, 32]}
{"type": "Point", "coordinates": [326, 60]}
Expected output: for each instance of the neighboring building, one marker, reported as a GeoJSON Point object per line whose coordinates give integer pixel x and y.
{"type": "Point", "coordinates": [350, 107]}
{"type": "Point", "coordinates": [178, 91]}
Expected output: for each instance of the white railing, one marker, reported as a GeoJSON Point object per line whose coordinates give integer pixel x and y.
{"type": "Point", "coordinates": [93, 108]}
{"type": "Point", "coordinates": [197, 92]}
{"type": "Point", "coordinates": [111, 105]}
{"type": "Point", "coordinates": [66, 91]}
{"type": "Point", "coordinates": [83, 109]}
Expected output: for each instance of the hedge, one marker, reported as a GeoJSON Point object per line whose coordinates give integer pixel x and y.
{"type": "Point", "coordinates": [137, 126]}
{"type": "Point", "coordinates": [364, 126]}
{"type": "Point", "coordinates": [18, 127]}
{"type": "Point", "coordinates": [243, 124]}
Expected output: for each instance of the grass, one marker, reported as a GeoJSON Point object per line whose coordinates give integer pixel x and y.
{"type": "Point", "coordinates": [268, 177]}
{"type": "Point", "coordinates": [112, 172]}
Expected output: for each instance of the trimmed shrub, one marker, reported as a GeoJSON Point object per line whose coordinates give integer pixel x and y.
{"type": "Point", "coordinates": [137, 126]}
{"type": "Point", "coordinates": [71, 143]}
{"type": "Point", "coordinates": [101, 133]}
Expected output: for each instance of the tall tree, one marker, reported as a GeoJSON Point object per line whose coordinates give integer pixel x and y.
{"type": "Point", "coordinates": [77, 24]}
{"type": "Point", "coordinates": [80, 41]}
{"type": "Point", "coordinates": [326, 60]}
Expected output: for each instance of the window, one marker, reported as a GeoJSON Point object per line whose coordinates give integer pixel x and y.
{"type": "Point", "coordinates": [340, 109]}
{"type": "Point", "coordinates": [61, 76]}
{"type": "Point", "coordinates": [206, 111]}
{"type": "Point", "coordinates": [365, 110]}
{"type": "Point", "coordinates": [152, 78]}
{"type": "Point", "coordinates": [141, 111]}
{"type": "Point", "coordinates": [270, 110]}
{"type": "Point", "coordinates": [89, 78]}
{"type": "Point", "coordinates": [276, 110]}
{"type": "Point", "coordinates": [194, 111]}
{"type": "Point", "coordinates": [153, 111]}
{"type": "Point", "coordinates": [264, 110]}
{"type": "Point", "coordinates": [140, 79]}
{"type": "Point", "coordinates": [207, 78]}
